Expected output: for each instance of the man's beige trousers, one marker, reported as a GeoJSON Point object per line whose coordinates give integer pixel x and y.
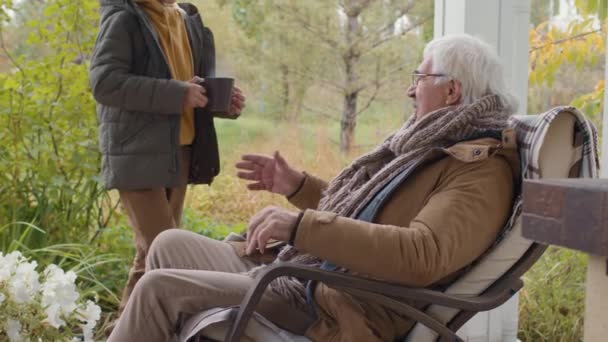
{"type": "Point", "coordinates": [186, 274]}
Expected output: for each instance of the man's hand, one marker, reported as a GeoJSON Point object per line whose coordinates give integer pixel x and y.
{"type": "Point", "coordinates": [270, 223]}
{"type": "Point", "coordinates": [237, 102]}
{"type": "Point", "coordinates": [195, 95]}
{"type": "Point", "coordinates": [269, 173]}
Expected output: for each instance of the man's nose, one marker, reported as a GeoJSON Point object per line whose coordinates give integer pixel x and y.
{"type": "Point", "coordinates": [411, 91]}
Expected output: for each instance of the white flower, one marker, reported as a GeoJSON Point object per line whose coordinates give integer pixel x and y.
{"type": "Point", "coordinates": [87, 331]}
{"type": "Point", "coordinates": [59, 294]}
{"type": "Point", "coordinates": [24, 284]}
{"type": "Point", "coordinates": [57, 297]}
{"type": "Point", "coordinates": [8, 264]}
{"type": "Point", "coordinates": [13, 330]}
{"type": "Point", "coordinates": [53, 316]}
{"type": "Point", "coordinates": [89, 314]}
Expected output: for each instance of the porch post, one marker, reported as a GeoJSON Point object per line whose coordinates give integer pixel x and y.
{"type": "Point", "coordinates": [503, 24]}
{"type": "Point", "coordinates": [596, 291]}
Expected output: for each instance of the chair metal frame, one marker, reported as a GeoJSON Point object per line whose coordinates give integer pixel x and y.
{"type": "Point", "coordinates": [395, 296]}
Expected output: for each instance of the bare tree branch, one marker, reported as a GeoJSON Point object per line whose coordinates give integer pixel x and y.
{"type": "Point", "coordinates": [307, 73]}
{"type": "Point", "coordinates": [378, 84]}
{"type": "Point", "coordinates": [9, 55]}
{"type": "Point", "coordinates": [381, 81]}
{"type": "Point", "coordinates": [391, 37]}
{"type": "Point", "coordinates": [370, 100]}
{"type": "Point", "coordinates": [321, 113]}
{"type": "Point", "coordinates": [354, 8]}
{"type": "Point", "coordinates": [296, 15]}
{"type": "Point", "coordinates": [303, 71]}
{"type": "Point", "coordinates": [563, 40]}
{"type": "Point", "coordinates": [388, 27]}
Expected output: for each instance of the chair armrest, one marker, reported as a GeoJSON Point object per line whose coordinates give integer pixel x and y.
{"type": "Point", "coordinates": [390, 292]}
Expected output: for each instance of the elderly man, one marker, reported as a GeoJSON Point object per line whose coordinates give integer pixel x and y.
{"type": "Point", "coordinates": [450, 170]}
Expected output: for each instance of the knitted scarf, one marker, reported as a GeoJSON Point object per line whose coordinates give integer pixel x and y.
{"type": "Point", "coordinates": [358, 183]}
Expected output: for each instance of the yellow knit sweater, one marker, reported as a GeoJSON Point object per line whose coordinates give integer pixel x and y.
{"type": "Point", "coordinates": [171, 29]}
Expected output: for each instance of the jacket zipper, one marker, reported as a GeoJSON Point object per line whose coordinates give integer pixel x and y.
{"type": "Point", "coordinates": [152, 31]}
{"type": "Point", "coordinates": [175, 151]}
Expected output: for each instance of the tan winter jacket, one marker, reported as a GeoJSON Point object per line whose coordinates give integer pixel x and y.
{"type": "Point", "coordinates": [443, 217]}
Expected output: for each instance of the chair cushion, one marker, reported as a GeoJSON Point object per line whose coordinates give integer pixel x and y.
{"type": "Point", "coordinates": [548, 149]}
{"type": "Point", "coordinates": [214, 324]}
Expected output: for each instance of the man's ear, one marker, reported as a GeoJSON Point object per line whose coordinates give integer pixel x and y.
{"type": "Point", "coordinates": [454, 93]}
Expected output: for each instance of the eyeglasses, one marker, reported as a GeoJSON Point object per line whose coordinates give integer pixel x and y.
{"type": "Point", "coordinates": [417, 76]}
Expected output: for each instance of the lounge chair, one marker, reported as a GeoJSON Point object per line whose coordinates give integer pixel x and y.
{"type": "Point", "coordinates": [560, 143]}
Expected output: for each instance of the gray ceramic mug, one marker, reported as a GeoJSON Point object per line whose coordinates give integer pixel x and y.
{"type": "Point", "coordinates": [219, 92]}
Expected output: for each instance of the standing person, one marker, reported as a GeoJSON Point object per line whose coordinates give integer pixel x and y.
{"type": "Point", "coordinates": [154, 134]}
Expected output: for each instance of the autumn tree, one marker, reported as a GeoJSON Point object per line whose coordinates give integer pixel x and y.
{"type": "Point", "coordinates": [579, 44]}
{"type": "Point", "coordinates": [351, 47]}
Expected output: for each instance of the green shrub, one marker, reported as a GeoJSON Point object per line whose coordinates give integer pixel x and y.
{"type": "Point", "coordinates": [48, 154]}
{"type": "Point", "coordinates": [552, 300]}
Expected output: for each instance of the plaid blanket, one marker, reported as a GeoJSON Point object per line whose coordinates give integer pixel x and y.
{"type": "Point", "coordinates": [531, 131]}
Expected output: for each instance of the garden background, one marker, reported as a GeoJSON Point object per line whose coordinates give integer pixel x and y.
{"type": "Point", "coordinates": [325, 82]}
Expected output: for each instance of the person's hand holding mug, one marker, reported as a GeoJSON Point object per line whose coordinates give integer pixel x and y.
{"type": "Point", "coordinates": [237, 103]}
{"type": "Point", "coordinates": [195, 94]}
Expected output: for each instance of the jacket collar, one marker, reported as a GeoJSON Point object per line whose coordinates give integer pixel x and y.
{"type": "Point", "coordinates": [480, 149]}
{"type": "Point", "coordinates": [188, 10]}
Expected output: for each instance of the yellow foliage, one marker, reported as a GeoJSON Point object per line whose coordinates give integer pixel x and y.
{"type": "Point", "coordinates": [599, 87]}
{"type": "Point", "coordinates": [580, 44]}
{"type": "Point", "coordinates": [551, 46]}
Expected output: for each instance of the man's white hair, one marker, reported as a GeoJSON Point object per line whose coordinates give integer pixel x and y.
{"type": "Point", "coordinates": [474, 64]}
